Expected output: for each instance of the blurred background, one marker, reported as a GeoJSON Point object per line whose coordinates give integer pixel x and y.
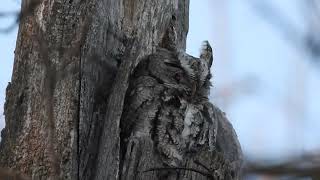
{"type": "Point", "coordinates": [266, 73]}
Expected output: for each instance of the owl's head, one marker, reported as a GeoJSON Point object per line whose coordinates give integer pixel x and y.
{"type": "Point", "coordinates": [166, 68]}
{"type": "Point", "coordinates": [179, 71]}
{"type": "Point", "coordinates": [198, 69]}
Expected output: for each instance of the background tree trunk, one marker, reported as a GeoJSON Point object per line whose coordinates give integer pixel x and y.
{"type": "Point", "coordinates": [73, 60]}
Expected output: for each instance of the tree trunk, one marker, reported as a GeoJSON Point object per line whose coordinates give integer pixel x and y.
{"type": "Point", "coordinates": [65, 102]}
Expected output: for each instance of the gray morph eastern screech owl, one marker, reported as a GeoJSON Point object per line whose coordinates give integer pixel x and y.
{"type": "Point", "coordinates": [167, 101]}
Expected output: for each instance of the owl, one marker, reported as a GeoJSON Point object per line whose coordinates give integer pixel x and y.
{"type": "Point", "coordinates": [167, 101]}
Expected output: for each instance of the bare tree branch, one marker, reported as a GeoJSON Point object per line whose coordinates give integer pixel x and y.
{"type": "Point", "coordinates": [305, 166]}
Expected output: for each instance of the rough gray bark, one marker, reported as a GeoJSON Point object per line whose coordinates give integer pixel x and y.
{"type": "Point", "coordinates": [73, 62]}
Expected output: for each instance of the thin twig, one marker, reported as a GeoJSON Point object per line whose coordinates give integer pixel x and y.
{"type": "Point", "coordinates": [303, 166]}
{"type": "Point", "coordinates": [179, 168]}
{"type": "Point", "coordinates": [202, 165]}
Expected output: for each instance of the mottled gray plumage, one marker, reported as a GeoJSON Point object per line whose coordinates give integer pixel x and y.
{"type": "Point", "coordinates": [206, 53]}
{"type": "Point", "coordinates": [167, 102]}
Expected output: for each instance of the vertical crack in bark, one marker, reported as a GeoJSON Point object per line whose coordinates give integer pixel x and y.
{"type": "Point", "coordinates": [110, 148]}
{"type": "Point", "coordinates": [78, 118]}
{"type": "Point", "coordinates": [84, 29]}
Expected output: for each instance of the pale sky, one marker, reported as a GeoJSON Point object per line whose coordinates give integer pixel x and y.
{"type": "Point", "coordinates": [7, 46]}
{"type": "Point", "coordinates": [253, 64]}
{"type": "Point", "coordinates": [277, 114]}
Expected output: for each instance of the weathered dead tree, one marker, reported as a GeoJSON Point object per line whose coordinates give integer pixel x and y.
{"type": "Point", "coordinates": [73, 108]}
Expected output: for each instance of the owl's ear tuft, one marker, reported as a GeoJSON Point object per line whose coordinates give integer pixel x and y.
{"type": "Point", "coordinates": [206, 53]}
